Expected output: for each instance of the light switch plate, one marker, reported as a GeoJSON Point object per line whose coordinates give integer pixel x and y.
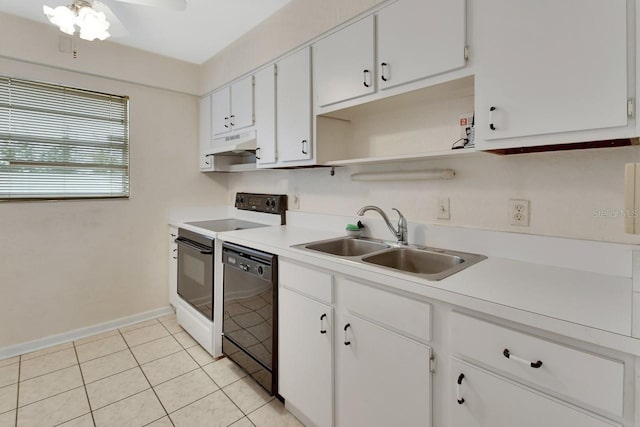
{"type": "Point", "coordinates": [443, 208]}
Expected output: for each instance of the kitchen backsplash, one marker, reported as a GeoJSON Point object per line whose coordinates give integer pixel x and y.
{"type": "Point", "coordinates": [577, 194]}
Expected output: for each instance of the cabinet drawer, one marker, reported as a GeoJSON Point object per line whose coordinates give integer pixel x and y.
{"type": "Point", "coordinates": [483, 399]}
{"type": "Point", "coordinates": [588, 378]}
{"type": "Point", "coordinates": [404, 314]}
{"type": "Point", "coordinates": [306, 280]}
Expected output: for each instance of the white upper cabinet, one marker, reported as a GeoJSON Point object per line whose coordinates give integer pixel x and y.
{"type": "Point", "coordinates": [241, 104]}
{"type": "Point", "coordinates": [549, 67]}
{"type": "Point", "coordinates": [265, 104]}
{"type": "Point", "coordinates": [232, 107]}
{"type": "Point", "coordinates": [220, 111]}
{"type": "Point", "coordinates": [419, 39]}
{"type": "Point", "coordinates": [293, 101]}
{"type": "Point", "coordinates": [345, 63]}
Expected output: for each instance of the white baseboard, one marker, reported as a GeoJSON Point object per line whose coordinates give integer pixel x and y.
{"type": "Point", "coordinates": [29, 346]}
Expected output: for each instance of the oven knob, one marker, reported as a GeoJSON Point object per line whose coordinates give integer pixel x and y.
{"type": "Point", "coordinates": [260, 270]}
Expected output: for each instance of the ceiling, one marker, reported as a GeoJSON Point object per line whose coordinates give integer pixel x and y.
{"type": "Point", "coordinates": [193, 35]}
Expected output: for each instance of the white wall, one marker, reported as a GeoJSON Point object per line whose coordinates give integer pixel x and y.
{"type": "Point", "coordinates": [70, 264]}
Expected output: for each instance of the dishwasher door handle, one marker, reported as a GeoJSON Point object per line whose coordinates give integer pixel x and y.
{"type": "Point", "coordinates": [202, 249]}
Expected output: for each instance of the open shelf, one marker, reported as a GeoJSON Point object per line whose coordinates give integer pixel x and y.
{"type": "Point", "coordinates": [465, 152]}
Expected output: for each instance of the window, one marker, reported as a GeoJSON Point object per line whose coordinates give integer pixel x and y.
{"type": "Point", "coordinates": [58, 142]}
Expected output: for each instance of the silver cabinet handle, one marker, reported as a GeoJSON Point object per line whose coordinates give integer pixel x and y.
{"type": "Point", "coordinates": [491, 124]}
{"type": "Point", "coordinates": [323, 330]}
{"type": "Point", "coordinates": [506, 353]}
{"type": "Point", "coordinates": [458, 392]}
{"type": "Point", "coordinates": [346, 341]}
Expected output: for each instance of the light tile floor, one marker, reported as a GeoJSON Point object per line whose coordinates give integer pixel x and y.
{"type": "Point", "coordinates": [148, 374]}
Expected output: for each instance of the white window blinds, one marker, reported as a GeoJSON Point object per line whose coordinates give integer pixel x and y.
{"type": "Point", "coordinates": [58, 142]}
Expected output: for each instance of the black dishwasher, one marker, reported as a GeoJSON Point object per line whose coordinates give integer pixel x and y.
{"type": "Point", "coordinates": [250, 312]}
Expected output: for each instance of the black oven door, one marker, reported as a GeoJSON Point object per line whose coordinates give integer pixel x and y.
{"type": "Point", "coordinates": [195, 275]}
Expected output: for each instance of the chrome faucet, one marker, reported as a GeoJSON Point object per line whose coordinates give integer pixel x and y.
{"type": "Point", "coordinates": [400, 233]}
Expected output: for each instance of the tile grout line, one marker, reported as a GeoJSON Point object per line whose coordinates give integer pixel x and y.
{"type": "Point", "coordinates": [145, 375]}
{"type": "Point", "coordinates": [84, 384]}
{"type": "Point", "coordinates": [18, 390]}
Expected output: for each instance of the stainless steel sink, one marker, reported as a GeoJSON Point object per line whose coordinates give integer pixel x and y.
{"type": "Point", "coordinates": [415, 261]}
{"type": "Point", "coordinates": [432, 264]}
{"type": "Point", "coordinates": [347, 246]}
{"type": "Point", "coordinates": [427, 263]}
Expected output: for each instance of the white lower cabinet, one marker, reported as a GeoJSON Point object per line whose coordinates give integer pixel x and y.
{"type": "Point", "coordinates": [383, 378]}
{"type": "Point", "coordinates": [305, 355]}
{"type": "Point", "coordinates": [484, 399]}
{"type": "Point", "coordinates": [173, 266]}
{"type": "Point", "coordinates": [377, 375]}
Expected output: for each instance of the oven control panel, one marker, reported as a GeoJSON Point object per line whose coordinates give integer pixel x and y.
{"type": "Point", "coordinates": [268, 203]}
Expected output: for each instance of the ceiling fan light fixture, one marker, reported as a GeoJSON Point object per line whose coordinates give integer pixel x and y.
{"type": "Point", "coordinates": [63, 17]}
{"type": "Point", "coordinates": [93, 24]}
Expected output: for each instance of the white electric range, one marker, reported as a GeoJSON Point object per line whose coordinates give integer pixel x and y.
{"type": "Point", "coordinates": [200, 279]}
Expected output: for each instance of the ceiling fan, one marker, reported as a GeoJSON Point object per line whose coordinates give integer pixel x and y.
{"type": "Point", "coordinates": [90, 16]}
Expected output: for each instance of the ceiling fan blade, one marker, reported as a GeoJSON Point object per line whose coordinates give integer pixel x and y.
{"type": "Point", "coordinates": [170, 4]}
{"type": "Point", "coordinates": [116, 27]}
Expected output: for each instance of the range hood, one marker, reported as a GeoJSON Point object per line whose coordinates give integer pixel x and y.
{"type": "Point", "coordinates": [234, 145]}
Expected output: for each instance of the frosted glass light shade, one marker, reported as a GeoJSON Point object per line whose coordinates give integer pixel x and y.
{"type": "Point", "coordinates": [93, 25]}
{"type": "Point", "coordinates": [63, 17]}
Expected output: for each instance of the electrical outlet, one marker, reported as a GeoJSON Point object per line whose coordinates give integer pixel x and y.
{"type": "Point", "coordinates": [519, 212]}
{"type": "Point", "coordinates": [443, 208]}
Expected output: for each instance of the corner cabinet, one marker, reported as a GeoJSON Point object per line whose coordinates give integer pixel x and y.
{"type": "Point", "coordinates": [550, 67]}
{"type": "Point", "coordinates": [293, 106]}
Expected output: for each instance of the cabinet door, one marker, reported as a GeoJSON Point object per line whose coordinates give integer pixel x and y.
{"type": "Point", "coordinates": [265, 93]}
{"type": "Point", "coordinates": [241, 104]}
{"type": "Point", "coordinates": [492, 401]}
{"type": "Point", "coordinates": [173, 266]}
{"type": "Point", "coordinates": [293, 101]}
{"type": "Point", "coordinates": [383, 378]}
{"type": "Point", "coordinates": [344, 63]}
{"type": "Point", "coordinates": [304, 356]}
{"type": "Point", "coordinates": [420, 38]}
{"type": "Point", "coordinates": [549, 66]}
{"type": "Point", "coordinates": [220, 111]}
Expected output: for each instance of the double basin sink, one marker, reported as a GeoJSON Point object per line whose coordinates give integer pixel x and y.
{"type": "Point", "coordinates": [425, 262]}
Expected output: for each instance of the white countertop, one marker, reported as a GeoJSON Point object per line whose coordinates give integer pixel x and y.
{"type": "Point", "coordinates": [584, 305]}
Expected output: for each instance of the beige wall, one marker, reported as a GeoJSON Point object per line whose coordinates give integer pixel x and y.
{"type": "Point", "coordinates": [71, 264]}
{"type": "Point", "coordinates": [297, 22]}
{"type": "Point", "coordinates": [564, 189]}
